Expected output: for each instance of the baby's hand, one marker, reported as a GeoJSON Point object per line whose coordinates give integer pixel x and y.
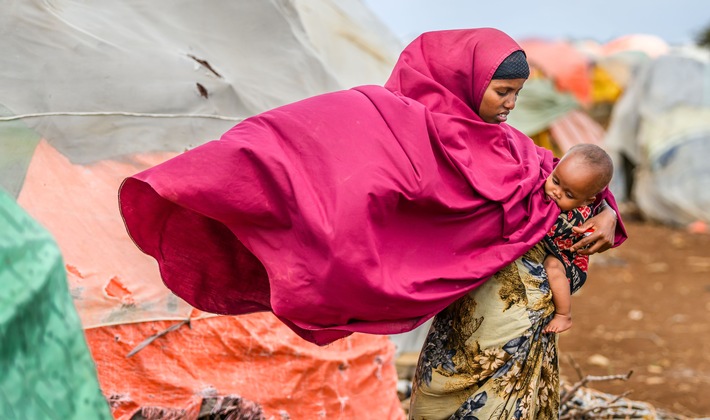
{"type": "Point", "coordinates": [558, 324]}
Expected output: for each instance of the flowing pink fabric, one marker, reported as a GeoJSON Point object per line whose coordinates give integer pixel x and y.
{"type": "Point", "coordinates": [364, 210]}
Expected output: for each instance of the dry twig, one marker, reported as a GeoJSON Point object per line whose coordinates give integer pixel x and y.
{"type": "Point", "coordinates": [157, 335]}
{"type": "Point", "coordinates": [579, 402]}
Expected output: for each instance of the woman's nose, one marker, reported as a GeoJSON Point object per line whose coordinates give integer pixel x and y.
{"type": "Point", "coordinates": [509, 103]}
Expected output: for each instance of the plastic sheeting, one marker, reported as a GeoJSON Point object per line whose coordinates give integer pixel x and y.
{"type": "Point", "coordinates": [134, 83]}
{"type": "Point", "coordinates": [539, 105]}
{"type": "Point", "coordinates": [576, 127]}
{"type": "Point", "coordinates": [564, 64]}
{"type": "Point", "coordinates": [94, 92]}
{"type": "Point", "coordinates": [621, 67]}
{"type": "Point", "coordinates": [662, 126]}
{"type": "Point", "coordinates": [132, 76]}
{"type": "Point", "coordinates": [650, 45]}
{"type": "Point", "coordinates": [252, 357]}
{"type": "Point", "coordinates": [47, 370]}
{"type": "Point", "coordinates": [553, 119]}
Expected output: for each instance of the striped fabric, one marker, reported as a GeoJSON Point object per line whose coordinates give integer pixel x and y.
{"type": "Point", "coordinates": [574, 128]}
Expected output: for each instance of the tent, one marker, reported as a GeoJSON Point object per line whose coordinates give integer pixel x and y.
{"type": "Point", "coordinates": [47, 370]}
{"type": "Point", "coordinates": [650, 45]}
{"type": "Point", "coordinates": [615, 64]}
{"type": "Point", "coordinates": [595, 74]}
{"type": "Point", "coordinates": [553, 119]}
{"type": "Point", "coordinates": [659, 136]}
{"type": "Point", "coordinates": [621, 57]}
{"type": "Point", "coordinates": [571, 69]}
{"type": "Point", "coordinates": [561, 62]}
{"type": "Point", "coordinates": [95, 92]}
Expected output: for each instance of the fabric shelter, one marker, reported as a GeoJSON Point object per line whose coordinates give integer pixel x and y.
{"type": "Point", "coordinates": [131, 84]}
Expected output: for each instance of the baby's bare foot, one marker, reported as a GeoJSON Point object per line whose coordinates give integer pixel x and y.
{"type": "Point", "coordinates": [558, 324]}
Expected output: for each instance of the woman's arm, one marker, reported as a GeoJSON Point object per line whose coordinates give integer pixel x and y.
{"type": "Point", "coordinates": [609, 230]}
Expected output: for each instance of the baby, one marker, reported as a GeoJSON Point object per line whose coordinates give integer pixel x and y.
{"type": "Point", "coordinates": [582, 173]}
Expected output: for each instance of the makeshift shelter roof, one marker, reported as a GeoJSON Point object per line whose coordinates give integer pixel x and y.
{"type": "Point", "coordinates": [650, 45]}
{"type": "Point", "coordinates": [539, 105]}
{"type": "Point", "coordinates": [47, 370]}
{"type": "Point", "coordinates": [661, 125]}
{"type": "Point", "coordinates": [541, 108]}
{"type": "Point", "coordinates": [93, 93]}
{"type": "Point", "coordinates": [564, 64]}
{"type": "Point", "coordinates": [621, 57]}
{"type": "Point", "coordinates": [122, 96]}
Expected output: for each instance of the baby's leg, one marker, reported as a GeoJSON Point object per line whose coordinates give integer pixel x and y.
{"type": "Point", "coordinates": [562, 321]}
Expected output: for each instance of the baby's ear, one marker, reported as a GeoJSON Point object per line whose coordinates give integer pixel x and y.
{"type": "Point", "coordinates": [590, 200]}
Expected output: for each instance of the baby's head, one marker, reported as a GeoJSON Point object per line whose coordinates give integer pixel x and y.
{"type": "Point", "coordinates": [580, 175]}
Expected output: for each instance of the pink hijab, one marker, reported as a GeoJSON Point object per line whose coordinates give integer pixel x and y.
{"type": "Point", "coordinates": [364, 210]}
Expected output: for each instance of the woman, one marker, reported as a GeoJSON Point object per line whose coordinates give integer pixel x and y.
{"type": "Point", "coordinates": [486, 355]}
{"type": "Point", "coordinates": [368, 210]}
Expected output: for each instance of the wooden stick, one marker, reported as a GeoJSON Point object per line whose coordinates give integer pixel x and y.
{"type": "Point", "coordinates": [157, 335]}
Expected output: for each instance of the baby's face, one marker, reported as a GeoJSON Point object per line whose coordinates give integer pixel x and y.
{"type": "Point", "coordinates": [571, 184]}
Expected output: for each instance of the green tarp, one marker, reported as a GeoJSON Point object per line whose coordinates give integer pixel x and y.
{"type": "Point", "coordinates": [46, 370]}
{"type": "Point", "coordinates": [539, 105]}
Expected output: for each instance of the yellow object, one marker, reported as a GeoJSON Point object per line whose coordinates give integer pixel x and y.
{"type": "Point", "coordinates": [604, 87]}
{"type": "Point", "coordinates": [544, 139]}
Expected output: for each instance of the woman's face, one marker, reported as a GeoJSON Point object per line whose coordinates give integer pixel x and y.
{"type": "Point", "coordinates": [499, 99]}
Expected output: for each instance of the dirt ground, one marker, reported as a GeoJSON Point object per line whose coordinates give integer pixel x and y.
{"type": "Point", "coordinates": [646, 308]}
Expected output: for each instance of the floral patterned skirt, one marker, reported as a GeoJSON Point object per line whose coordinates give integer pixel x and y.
{"type": "Point", "coordinates": [485, 356]}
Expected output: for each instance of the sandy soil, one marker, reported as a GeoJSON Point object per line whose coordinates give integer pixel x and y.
{"type": "Point", "coordinates": [646, 308]}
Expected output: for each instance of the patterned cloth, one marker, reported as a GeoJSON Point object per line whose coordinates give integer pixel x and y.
{"type": "Point", "coordinates": [486, 357]}
{"type": "Point", "coordinates": [561, 236]}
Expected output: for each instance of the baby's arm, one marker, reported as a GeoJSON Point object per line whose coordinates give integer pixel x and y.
{"type": "Point", "coordinates": [562, 321]}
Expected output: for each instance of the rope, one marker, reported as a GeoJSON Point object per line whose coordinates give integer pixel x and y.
{"type": "Point", "coordinates": [125, 114]}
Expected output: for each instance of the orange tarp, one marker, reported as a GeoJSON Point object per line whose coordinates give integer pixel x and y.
{"type": "Point", "coordinates": [255, 357]}
{"type": "Point", "coordinates": [650, 45]}
{"type": "Point", "coordinates": [122, 301]}
{"type": "Point", "coordinates": [562, 63]}
{"type": "Point", "coordinates": [79, 205]}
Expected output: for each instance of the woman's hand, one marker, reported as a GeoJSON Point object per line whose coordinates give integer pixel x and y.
{"type": "Point", "coordinates": [602, 237]}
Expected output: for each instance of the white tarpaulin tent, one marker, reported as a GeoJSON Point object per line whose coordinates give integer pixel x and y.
{"type": "Point", "coordinates": [661, 127]}
{"type": "Point", "coordinates": [113, 80]}
{"type": "Point", "coordinates": [92, 92]}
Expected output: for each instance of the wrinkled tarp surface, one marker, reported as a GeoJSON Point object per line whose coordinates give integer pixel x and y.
{"type": "Point", "coordinates": [539, 105]}
{"type": "Point", "coordinates": [47, 370]}
{"type": "Point", "coordinates": [555, 120]}
{"type": "Point", "coordinates": [563, 63]}
{"type": "Point", "coordinates": [253, 357]}
{"type": "Point", "coordinates": [92, 93]}
{"type": "Point", "coordinates": [662, 126]}
{"type": "Point", "coordinates": [135, 83]}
